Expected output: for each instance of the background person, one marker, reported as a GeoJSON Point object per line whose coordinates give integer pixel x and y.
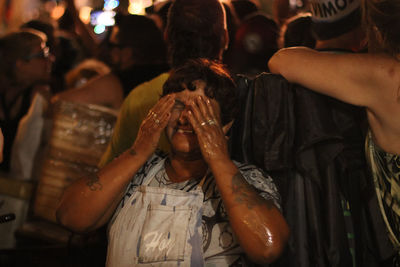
{"type": "Point", "coordinates": [194, 29]}
{"type": "Point", "coordinates": [369, 80]}
{"type": "Point", "coordinates": [25, 70]}
{"type": "Point", "coordinates": [137, 53]}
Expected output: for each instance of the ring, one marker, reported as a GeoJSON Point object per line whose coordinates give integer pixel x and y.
{"type": "Point", "coordinates": [203, 123]}
{"type": "Point", "coordinates": [157, 121]}
{"type": "Point", "coordinates": [153, 114]}
{"type": "Point", "coordinates": [211, 122]}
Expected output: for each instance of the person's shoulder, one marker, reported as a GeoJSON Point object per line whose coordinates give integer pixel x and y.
{"type": "Point", "coordinates": [144, 96]}
{"type": "Point", "coordinates": [251, 170]}
{"type": "Point", "coordinates": [156, 157]}
{"type": "Point", "coordinates": [106, 79]}
{"type": "Point", "coordinates": [154, 85]}
{"type": "Point", "coordinates": [260, 180]}
{"type": "Point", "coordinates": [149, 164]}
{"type": "Point", "coordinates": [103, 83]}
{"type": "Point", "coordinates": [384, 71]}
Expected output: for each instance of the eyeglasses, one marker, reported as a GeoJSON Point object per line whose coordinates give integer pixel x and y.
{"type": "Point", "coordinates": [44, 53]}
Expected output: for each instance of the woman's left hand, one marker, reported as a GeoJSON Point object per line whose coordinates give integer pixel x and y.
{"type": "Point", "coordinates": [210, 134]}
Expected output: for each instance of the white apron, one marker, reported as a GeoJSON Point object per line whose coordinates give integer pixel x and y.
{"type": "Point", "coordinates": [157, 227]}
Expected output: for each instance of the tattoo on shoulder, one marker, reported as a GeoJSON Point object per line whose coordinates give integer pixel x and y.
{"type": "Point", "coordinates": [247, 195]}
{"type": "Point", "coordinates": [93, 182]}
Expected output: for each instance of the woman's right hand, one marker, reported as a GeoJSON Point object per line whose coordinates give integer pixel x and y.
{"type": "Point", "coordinates": [152, 126]}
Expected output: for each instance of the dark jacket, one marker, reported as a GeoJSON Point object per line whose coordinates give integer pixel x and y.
{"type": "Point", "coordinates": [313, 146]}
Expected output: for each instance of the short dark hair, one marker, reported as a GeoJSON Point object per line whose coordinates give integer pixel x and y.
{"type": "Point", "coordinates": [195, 29]}
{"type": "Point", "coordinates": [219, 84]}
{"type": "Point", "coordinates": [45, 27]}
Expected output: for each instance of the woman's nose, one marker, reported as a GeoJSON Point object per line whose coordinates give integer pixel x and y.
{"type": "Point", "coordinates": [182, 119]}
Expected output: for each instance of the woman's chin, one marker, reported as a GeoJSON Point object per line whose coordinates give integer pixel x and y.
{"type": "Point", "coordinates": [187, 153]}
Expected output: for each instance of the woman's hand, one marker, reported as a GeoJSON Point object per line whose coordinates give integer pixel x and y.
{"type": "Point", "coordinates": [152, 126]}
{"type": "Point", "coordinates": [210, 134]}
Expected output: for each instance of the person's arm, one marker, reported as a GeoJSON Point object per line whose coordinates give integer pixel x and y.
{"type": "Point", "coordinates": [258, 224]}
{"type": "Point", "coordinates": [86, 35]}
{"type": "Point", "coordinates": [90, 201]}
{"type": "Point", "coordinates": [105, 90]}
{"type": "Point", "coordinates": [358, 79]}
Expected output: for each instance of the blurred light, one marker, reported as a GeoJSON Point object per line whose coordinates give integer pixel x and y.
{"type": "Point", "coordinates": [99, 29]}
{"type": "Point", "coordinates": [136, 9]}
{"type": "Point", "coordinates": [101, 17]}
{"type": "Point", "coordinates": [84, 14]}
{"type": "Point", "coordinates": [57, 12]}
{"type": "Point", "coordinates": [110, 4]}
{"type": "Point", "coordinates": [147, 3]}
{"type": "Point", "coordinates": [106, 18]}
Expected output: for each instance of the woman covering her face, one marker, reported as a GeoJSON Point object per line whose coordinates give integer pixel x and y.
{"type": "Point", "coordinates": [192, 207]}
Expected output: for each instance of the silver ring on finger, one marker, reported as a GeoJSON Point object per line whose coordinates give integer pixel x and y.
{"type": "Point", "coordinates": [157, 121]}
{"type": "Point", "coordinates": [203, 123]}
{"type": "Point", "coordinates": [211, 122]}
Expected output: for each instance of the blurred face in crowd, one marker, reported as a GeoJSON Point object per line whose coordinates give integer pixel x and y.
{"type": "Point", "coordinates": [120, 54]}
{"type": "Point", "coordinates": [36, 66]}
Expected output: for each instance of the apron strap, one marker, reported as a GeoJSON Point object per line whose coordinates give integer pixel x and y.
{"type": "Point", "coordinates": [149, 177]}
{"type": "Point", "coordinates": [156, 168]}
{"type": "Point", "coordinates": [200, 185]}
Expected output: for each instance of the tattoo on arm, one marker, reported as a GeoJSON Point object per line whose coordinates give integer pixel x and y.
{"type": "Point", "coordinates": [245, 194]}
{"type": "Point", "coordinates": [93, 182]}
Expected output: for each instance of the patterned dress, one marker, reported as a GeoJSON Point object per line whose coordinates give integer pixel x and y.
{"type": "Point", "coordinates": [385, 169]}
{"type": "Point", "coordinates": [219, 242]}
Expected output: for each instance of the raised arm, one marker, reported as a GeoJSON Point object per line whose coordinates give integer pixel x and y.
{"type": "Point", "coordinates": [87, 36]}
{"type": "Point", "coordinates": [358, 79]}
{"type": "Point", "coordinates": [258, 224]}
{"type": "Point", "coordinates": [90, 201]}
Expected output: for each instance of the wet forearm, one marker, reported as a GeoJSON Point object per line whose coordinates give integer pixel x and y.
{"type": "Point", "coordinates": [258, 224]}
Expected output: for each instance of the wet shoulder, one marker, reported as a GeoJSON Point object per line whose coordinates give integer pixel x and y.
{"type": "Point", "coordinates": [261, 181]}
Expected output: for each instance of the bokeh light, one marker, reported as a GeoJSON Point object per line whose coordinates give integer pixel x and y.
{"type": "Point", "coordinates": [111, 4]}
{"type": "Point", "coordinates": [84, 14]}
{"type": "Point", "coordinates": [99, 29]}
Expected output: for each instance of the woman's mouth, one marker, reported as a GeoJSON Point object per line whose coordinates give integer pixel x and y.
{"type": "Point", "coordinates": [185, 131]}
